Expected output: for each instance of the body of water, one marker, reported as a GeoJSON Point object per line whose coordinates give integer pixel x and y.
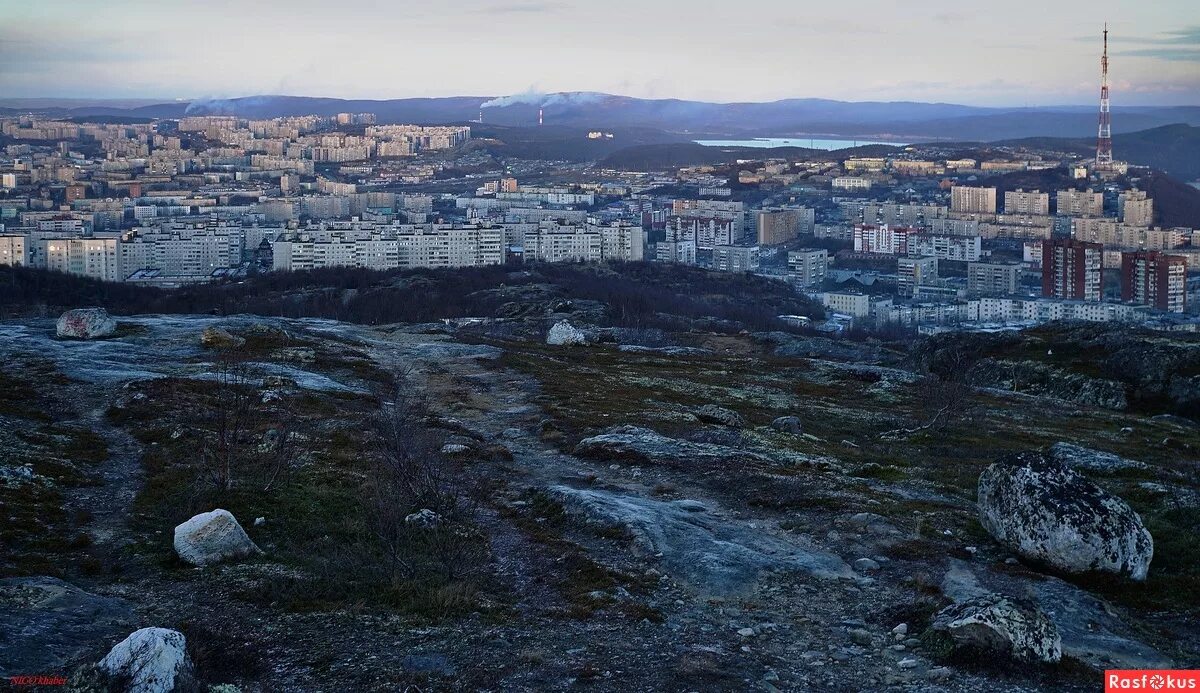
{"type": "Point", "coordinates": [808, 142]}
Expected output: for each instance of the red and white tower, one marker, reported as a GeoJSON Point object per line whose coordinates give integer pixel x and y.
{"type": "Point", "coordinates": [1104, 140]}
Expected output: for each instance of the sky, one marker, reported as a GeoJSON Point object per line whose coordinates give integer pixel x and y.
{"type": "Point", "coordinates": [1017, 53]}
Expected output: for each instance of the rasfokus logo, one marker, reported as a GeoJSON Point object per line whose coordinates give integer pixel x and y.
{"type": "Point", "coordinates": [1152, 680]}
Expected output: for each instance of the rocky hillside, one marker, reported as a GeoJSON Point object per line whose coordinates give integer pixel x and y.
{"type": "Point", "coordinates": [558, 492]}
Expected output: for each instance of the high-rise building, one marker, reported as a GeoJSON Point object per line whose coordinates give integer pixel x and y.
{"type": "Point", "coordinates": [777, 226]}
{"type": "Point", "coordinates": [1135, 208]}
{"type": "Point", "coordinates": [1021, 202]}
{"type": "Point", "coordinates": [972, 200]}
{"type": "Point", "coordinates": [993, 278]}
{"type": "Point", "coordinates": [1078, 203]}
{"type": "Point", "coordinates": [1071, 269]}
{"type": "Point", "coordinates": [807, 267]}
{"type": "Point", "coordinates": [1154, 279]}
{"type": "Point", "coordinates": [912, 272]}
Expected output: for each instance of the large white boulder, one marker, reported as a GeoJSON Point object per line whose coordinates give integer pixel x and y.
{"type": "Point", "coordinates": [150, 660]}
{"type": "Point", "coordinates": [993, 623]}
{"type": "Point", "coordinates": [212, 537]}
{"type": "Point", "coordinates": [1052, 515]}
{"type": "Point", "coordinates": [85, 323]}
{"type": "Point", "coordinates": [564, 333]}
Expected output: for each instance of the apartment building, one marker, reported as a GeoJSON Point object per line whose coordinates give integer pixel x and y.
{"type": "Point", "coordinates": [1021, 202]}
{"type": "Point", "coordinates": [1154, 279]}
{"type": "Point", "coordinates": [807, 267]}
{"type": "Point", "coordinates": [972, 200]}
{"type": "Point", "coordinates": [915, 271]}
{"type": "Point", "coordinates": [1079, 203]}
{"type": "Point", "coordinates": [1071, 269]}
{"type": "Point", "coordinates": [993, 278]}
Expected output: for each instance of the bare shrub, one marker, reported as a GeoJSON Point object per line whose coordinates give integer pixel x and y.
{"type": "Point", "coordinates": [413, 477]}
{"type": "Point", "coordinates": [242, 444]}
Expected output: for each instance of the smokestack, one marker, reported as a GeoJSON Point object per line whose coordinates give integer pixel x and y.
{"type": "Point", "coordinates": [539, 116]}
{"type": "Point", "coordinates": [481, 115]}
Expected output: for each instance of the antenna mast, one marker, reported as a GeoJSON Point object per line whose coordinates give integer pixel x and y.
{"type": "Point", "coordinates": [1104, 140]}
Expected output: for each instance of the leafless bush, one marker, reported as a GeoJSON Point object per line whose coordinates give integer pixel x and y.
{"type": "Point", "coordinates": [412, 476]}
{"type": "Point", "coordinates": [235, 448]}
{"type": "Point", "coordinates": [943, 394]}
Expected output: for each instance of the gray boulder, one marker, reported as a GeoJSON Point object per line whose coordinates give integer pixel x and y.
{"type": "Point", "coordinates": [1079, 457]}
{"type": "Point", "coordinates": [150, 660]}
{"type": "Point", "coordinates": [212, 537]}
{"type": "Point", "coordinates": [85, 323]}
{"type": "Point", "coordinates": [1052, 515]}
{"type": "Point", "coordinates": [564, 333]}
{"type": "Point", "coordinates": [1001, 625]}
{"type": "Point", "coordinates": [788, 424]}
{"type": "Point", "coordinates": [711, 413]}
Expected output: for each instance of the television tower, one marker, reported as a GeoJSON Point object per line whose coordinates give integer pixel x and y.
{"type": "Point", "coordinates": [1104, 140]}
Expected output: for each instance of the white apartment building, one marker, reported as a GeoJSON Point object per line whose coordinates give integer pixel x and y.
{"type": "Point", "coordinates": [912, 272]}
{"type": "Point", "coordinates": [86, 257]}
{"type": "Point", "coordinates": [945, 247]}
{"type": "Point", "coordinates": [972, 200]}
{"type": "Point", "coordinates": [13, 251]}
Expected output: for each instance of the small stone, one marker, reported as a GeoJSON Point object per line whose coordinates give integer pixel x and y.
{"type": "Point", "coordinates": [859, 636]}
{"type": "Point", "coordinates": [260, 521]}
{"type": "Point", "coordinates": [901, 629]}
{"type": "Point", "coordinates": [865, 564]}
{"type": "Point", "coordinates": [746, 632]}
{"type": "Point", "coordinates": [909, 663]}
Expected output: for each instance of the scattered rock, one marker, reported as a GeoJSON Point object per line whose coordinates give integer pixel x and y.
{"type": "Point", "coordinates": [214, 337]}
{"type": "Point", "coordinates": [788, 424]}
{"type": "Point", "coordinates": [909, 663]}
{"type": "Point", "coordinates": [866, 564]}
{"type": "Point", "coordinates": [85, 323]}
{"type": "Point", "coordinates": [1079, 457]}
{"type": "Point", "coordinates": [456, 449]}
{"type": "Point", "coordinates": [1050, 514]}
{"type": "Point", "coordinates": [901, 629]}
{"type": "Point", "coordinates": [423, 518]}
{"type": "Point", "coordinates": [150, 660]}
{"type": "Point", "coordinates": [859, 636]}
{"type": "Point", "coordinates": [212, 537]}
{"type": "Point", "coordinates": [997, 624]}
{"type": "Point", "coordinates": [564, 333]}
{"type": "Point", "coordinates": [711, 413]}
{"type": "Point", "coordinates": [260, 521]}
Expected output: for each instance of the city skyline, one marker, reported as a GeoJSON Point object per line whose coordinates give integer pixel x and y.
{"type": "Point", "coordinates": [759, 50]}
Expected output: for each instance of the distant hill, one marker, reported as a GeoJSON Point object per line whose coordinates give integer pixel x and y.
{"type": "Point", "coordinates": [1173, 148]}
{"type": "Point", "coordinates": [897, 120]}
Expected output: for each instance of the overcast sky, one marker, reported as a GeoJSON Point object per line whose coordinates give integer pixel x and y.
{"type": "Point", "coordinates": [1024, 52]}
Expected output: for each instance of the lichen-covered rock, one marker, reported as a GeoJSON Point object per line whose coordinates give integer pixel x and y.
{"type": "Point", "coordinates": [711, 413]}
{"type": "Point", "coordinates": [1052, 515]}
{"type": "Point", "coordinates": [150, 660]}
{"type": "Point", "coordinates": [214, 337]}
{"type": "Point", "coordinates": [787, 424]}
{"type": "Point", "coordinates": [85, 323]}
{"type": "Point", "coordinates": [634, 443]}
{"type": "Point", "coordinates": [997, 624]}
{"type": "Point", "coordinates": [212, 537]}
{"type": "Point", "coordinates": [1079, 457]}
{"type": "Point", "coordinates": [564, 333]}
